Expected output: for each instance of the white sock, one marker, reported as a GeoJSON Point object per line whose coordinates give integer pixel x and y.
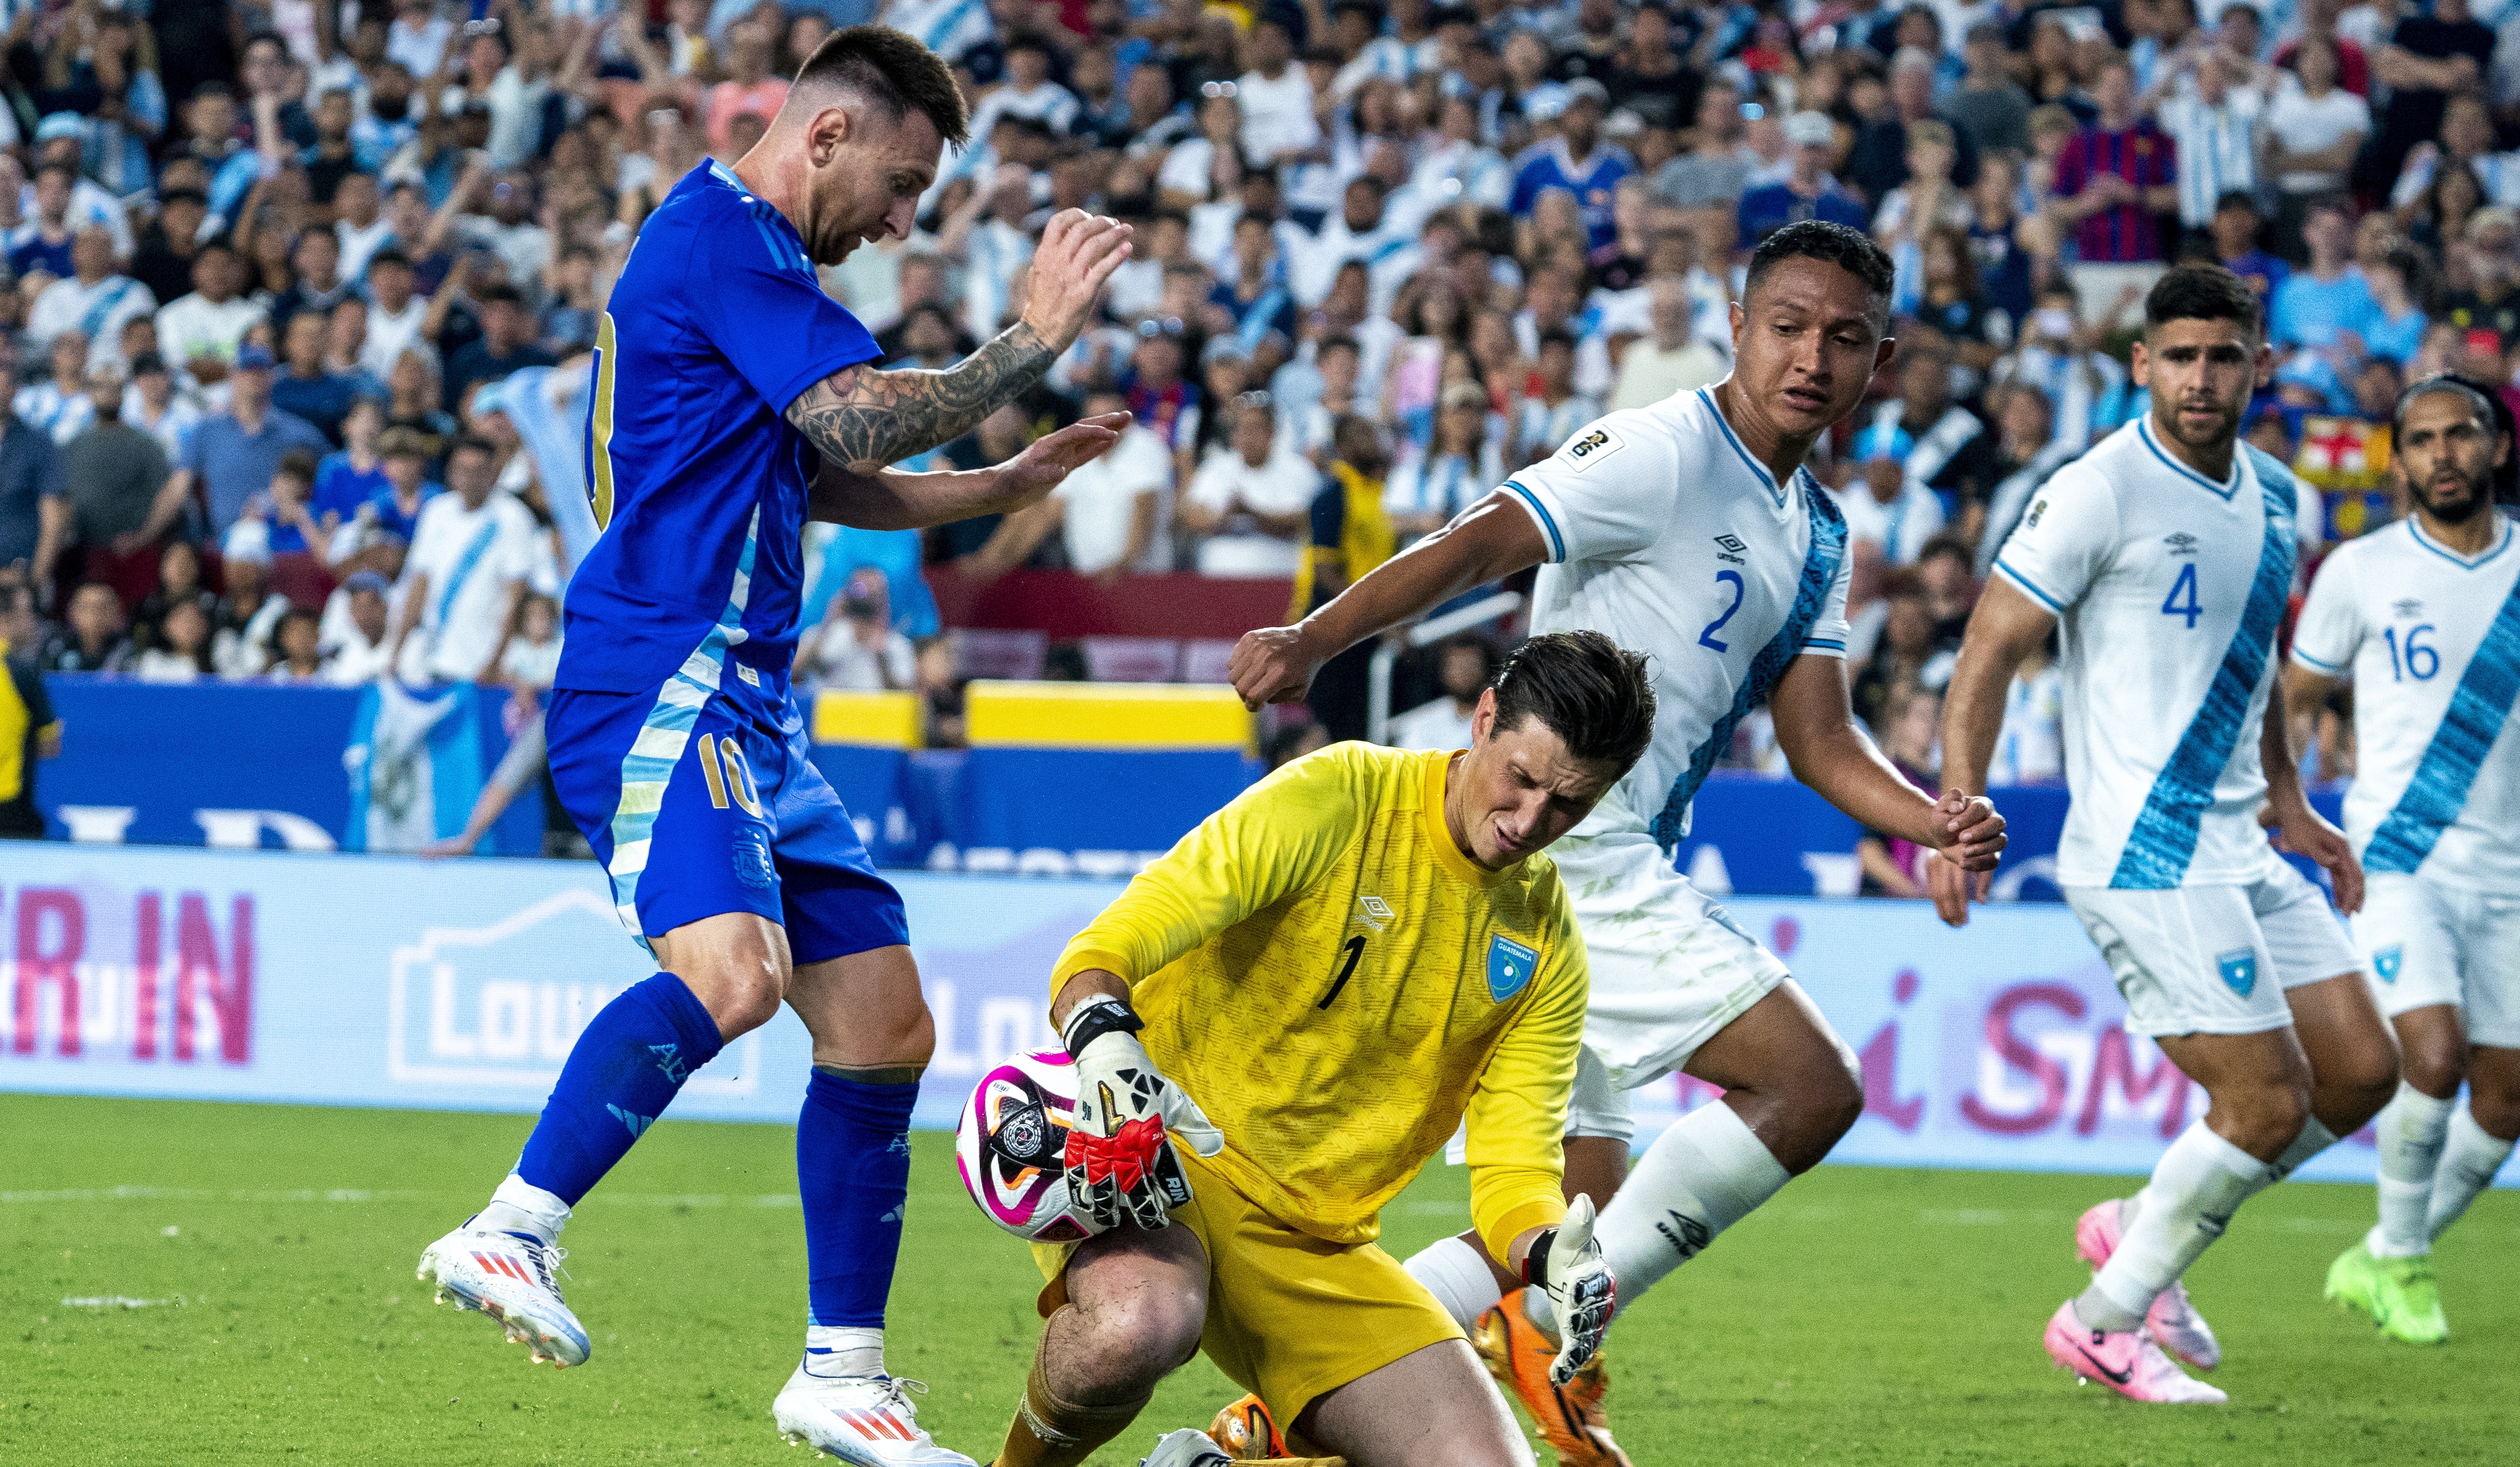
{"type": "Point", "coordinates": [2469, 1163]}
{"type": "Point", "coordinates": [830, 1350]}
{"type": "Point", "coordinates": [2313, 1139]}
{"type": "Point", "coordinates": [1700, 1177]}
{"type": "Point", "coordinates": [2411, 1131]}
{"type": "Point", "coordinates": [520, 1207]}
{"type": "Point", "coordinates": [1457, 1273]}
{"type": "Point", "coordinates": [2198, 1183]}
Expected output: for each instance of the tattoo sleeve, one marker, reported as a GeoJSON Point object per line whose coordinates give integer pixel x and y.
{"type": "Point", "coordinates": [864, 417]}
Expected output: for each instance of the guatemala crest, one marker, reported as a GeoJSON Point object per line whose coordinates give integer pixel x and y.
{"type": "Point", "coordinates": [2386, 961]}
{"type": "Point", "coordinates": [1509, 967]}
{"type": "Point", "coordinates": [2240, 970]}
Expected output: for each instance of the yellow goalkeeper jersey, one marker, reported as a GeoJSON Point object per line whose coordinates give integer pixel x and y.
{"type": "Point", "coordinates": [1338, 985]}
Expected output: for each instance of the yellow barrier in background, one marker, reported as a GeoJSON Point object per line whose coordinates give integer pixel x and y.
{"type": "Point", "coordinates": [1106, 715]}
{"type": "Point", "coordinates": [873, 720]}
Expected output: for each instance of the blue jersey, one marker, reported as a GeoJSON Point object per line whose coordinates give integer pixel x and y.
{"type": "Point", "coordinates": [698, 481]}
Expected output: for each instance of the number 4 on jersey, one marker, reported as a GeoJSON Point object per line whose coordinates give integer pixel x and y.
{"type": "Point", "coordinates": [2184, 585]}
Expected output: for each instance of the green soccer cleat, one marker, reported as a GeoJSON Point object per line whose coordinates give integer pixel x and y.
{"type": "Point", "coordinates": [2398, 1293]}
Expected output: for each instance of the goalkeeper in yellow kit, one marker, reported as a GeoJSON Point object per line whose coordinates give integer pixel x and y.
{"type": "Point", "coordinates": [1359, 950]}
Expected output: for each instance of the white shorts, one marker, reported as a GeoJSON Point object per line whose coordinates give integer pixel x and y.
{"type": "Point", "coordinates": [2430, 942]}
{"type": "Point", "coordinates": [2215, 960]}
{"type": "Point", "coordinates": [1670, 968]}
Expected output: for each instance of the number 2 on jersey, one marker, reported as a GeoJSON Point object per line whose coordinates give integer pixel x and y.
{"type": "Point", "coordinates": [1353, 949]}
{"type": "Point", "coordinates": [2186, 585]}
{"type": "Point", "coordinates": [1707, 638]}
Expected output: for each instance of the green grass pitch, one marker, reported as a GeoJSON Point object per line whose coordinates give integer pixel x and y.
{"type": "Point", "coordinates": [1866, 1316]}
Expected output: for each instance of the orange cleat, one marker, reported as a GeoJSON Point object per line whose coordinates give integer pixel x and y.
{"type": "Point", "coordinates": [1247, 1432]}
{"type": "Point", "coordinates": [1570, 1416]}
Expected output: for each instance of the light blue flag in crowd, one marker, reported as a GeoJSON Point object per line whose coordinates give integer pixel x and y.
{"type": "Point", "coordinates": [547, 406]}
{"type": "Point", "coordinates": [415, 766]}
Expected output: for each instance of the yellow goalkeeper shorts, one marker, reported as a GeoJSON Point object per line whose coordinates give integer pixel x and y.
{"type": "Point", "coordinates": [1289, 1315]}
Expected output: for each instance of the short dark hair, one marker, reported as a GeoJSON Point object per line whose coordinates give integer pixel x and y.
{"type": "Point", "coordinates": [1850, 249]}
{"type": "Point", "coordinates": [893, 70]}
{"type": "Point", "coordinates": [473, 443]}
{"type": "Point", "coordinates": [2496, 413]}
{"type": "Point", "coordinates": [2200, 293]}
{"type": "Point", "coordinates": [388, 256]}
{"type": "Point", "coordinates": [1582, 687]}
{"type": "Point", "coordinates": [497, 294]}
{"type": "Point", "coordinates": [299, 463]}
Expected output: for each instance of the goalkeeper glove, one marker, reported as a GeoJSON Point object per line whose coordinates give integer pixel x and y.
{"type": "Point", "coordinates": [1567, 1265]}
{"type": "Point", "coordinates": [1118, 1167]}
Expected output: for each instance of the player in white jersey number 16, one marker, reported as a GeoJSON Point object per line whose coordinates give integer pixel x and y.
{"type": "Point", "coordinates": [2424, 617]}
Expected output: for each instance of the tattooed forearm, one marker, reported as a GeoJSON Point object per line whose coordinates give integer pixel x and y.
{"type": "Point", "coordinates": [865, 419]}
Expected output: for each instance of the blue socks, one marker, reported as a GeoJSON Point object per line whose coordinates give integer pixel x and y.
{"type": "Point", "coordinates": [621, 1075]}
{"type": "Point", "coordinates": [853, 1173]}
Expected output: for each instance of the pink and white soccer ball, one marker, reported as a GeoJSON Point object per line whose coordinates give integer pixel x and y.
{"type": "Point", "coordinates": [1010, 1145]}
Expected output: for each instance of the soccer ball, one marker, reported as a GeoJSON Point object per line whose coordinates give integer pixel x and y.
{"type": "Point", "coordinates": [1010, 1145]}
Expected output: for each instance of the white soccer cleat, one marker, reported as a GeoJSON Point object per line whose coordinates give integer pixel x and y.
{"type": "Point", "coordinates": [508, 1276]}
{"type": "Point", "coordinates": [864, 1419]}
{"type": "Point", "coordinates": [1186, 1448]}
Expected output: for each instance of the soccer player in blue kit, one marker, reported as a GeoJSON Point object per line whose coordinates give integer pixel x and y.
{"type": "Point", "coordinates": [732, 402]}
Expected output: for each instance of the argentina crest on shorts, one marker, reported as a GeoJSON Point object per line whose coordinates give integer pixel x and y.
{"type": "Point", "coordinates": [2240, 970]}
{"type": "Point", "coordinates": [1509, 967]}
{"type": "Point", "coordinates": [2385, 962]}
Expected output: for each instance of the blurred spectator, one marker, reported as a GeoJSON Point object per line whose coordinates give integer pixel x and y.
{"type": "Point", "coordinates": [92, 299]}
{"type": "Point", "coordinates": [532, 659]}
{"type": "Point", "coordinates": [1808, 192]}
{"type": "Point", "coordinates": [2030, 748]}
{"type": "Point", "coordinates": [1670, 360]}
{"type": "Point", "coordinates": [1883, 505]}
{"type": "Point", "coordinates": [2327, 296]}
{"type": "Point", "coordinates": [181, 652]}
{"type": "Point", "coordinates": [470, 553]}
{"type": "Point", "coordinates": [153, 404]}
{"type": "Point", "coordinates": [29, 733]}
{"type": "Point", "coordinates": [112, 474]}
{"type": "Point", "coordinates": [296, 648]}
{"type": "Point", "coordinates": [1947, 446]}
{"type": "Point", "coordinates": [58, 404]}
{"type": "Point", "coordinates": [1990, 107]}
{"type": "Point", "coordinates": [2112, 180]}
{"type": "Point", "coordinates": [305, 388]}
{"type": "Point", "coordinates": [360, 649]}
{"type": "Point", "coordinates": [506, 344]}
{"type": "Point", "coordinates": [204, 330]}
{"type": "Point", "coordinates": [1553, 414]}
{"type": "Point", "coordinates": [1250, 504]}
{"type": "Point", "coordinates": [90, 638]}
{"type": "Point", "coordinates": [1893, 867]}
{"type": "Point", "coordinates": [242, 628]}
{"type": "Point", "coordinates": [30, 479]}
{"type": "Point", "coordinates": [230, 457]}
{"type": "Point", "coordinates": [1463, 668]}
{"type": "Point", "coordinates": [179, 583]}
{"type": "Point", "coordinates": [857, 648]}
{"type": "Point", "coordinates": [2426, 58]}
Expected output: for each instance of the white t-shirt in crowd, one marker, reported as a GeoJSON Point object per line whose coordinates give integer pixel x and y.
{"type": "Point", "coordinates": [1283, 486]}
{"type": "Point", "coordinates": [2032, 744]}
{"type": "Point", "coordinates": [2169, 588]}
{"type": "Point", "coordinates": [1277, 115]}
{"type": "Point", "coordinates": [2425, 634]}
{"type": "Point", "coordinates": [1899, 527]}
{"type": "Point", "coordinates": [1440, 724]}
{"type": "Point", "coordinates": [473, 558]}
{"type": "Point", "coordinates": [1665, 536]}
{"type": "Point", "coordinates": [2307, 127]}
{"type": "Point", "coordinates": [1100, 504]}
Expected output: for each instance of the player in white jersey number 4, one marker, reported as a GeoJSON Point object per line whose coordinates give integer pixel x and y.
{"type": "Point", "coordinates": [2424, 617]}
{"type": "Point", "coordinates": [2166, 554]}
{"type": "Point", "coordinates": [1689, 530]}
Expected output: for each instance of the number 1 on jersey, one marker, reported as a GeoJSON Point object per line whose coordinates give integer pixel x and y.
{"type": "Point", "coordinates": [2186, 585]}
{"type": "Point", "coordinates": [1354, 949]}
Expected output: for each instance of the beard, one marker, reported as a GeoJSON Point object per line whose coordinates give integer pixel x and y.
{"type": "Point", "coordinates": [2433, 501]}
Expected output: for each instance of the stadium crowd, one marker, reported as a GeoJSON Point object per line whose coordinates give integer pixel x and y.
{"type": "Point", "coordinates": [300, 296]}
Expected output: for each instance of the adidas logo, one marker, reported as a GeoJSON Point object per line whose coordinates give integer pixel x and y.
{"type": "Point", "coordinates": [638, 1124]}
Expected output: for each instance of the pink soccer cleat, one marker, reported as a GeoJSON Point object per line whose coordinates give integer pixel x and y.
{"type": "Point", "coordinates": [2173, 1319]}
{"type": "Point", "coordinates": [2126, 1362]}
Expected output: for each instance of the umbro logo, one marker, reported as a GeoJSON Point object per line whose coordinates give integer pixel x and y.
{"type": "Point", "coordinates": [1729, 548]}
{"type": "Point", "coordinates": [2181, 543]}
{"type": "Point", "coordinates": [1376, 911]}
{"type": "Point", "coordinates": [2408, 608]}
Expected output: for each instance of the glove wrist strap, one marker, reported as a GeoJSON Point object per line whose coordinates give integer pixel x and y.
{"type": "Point", "coordinates": [1535, 1259]}
{"type": "Point", "coordinates": [1099, 1016]}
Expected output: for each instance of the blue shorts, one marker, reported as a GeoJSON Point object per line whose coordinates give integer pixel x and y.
{"type": "Point", "coordinates": [702, 802]}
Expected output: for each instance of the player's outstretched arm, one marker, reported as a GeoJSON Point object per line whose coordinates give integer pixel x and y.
{"type": "Point", "coordinates": [1831, 752]}
{"type": "Point", "coordinates": [1493, 537]}
{"type": "Point", "coordinates": [2006, 627]}
{"type": "Point", "coordinates": [863, 419]}
{"type": "Point", "coordinates": [890, 499]}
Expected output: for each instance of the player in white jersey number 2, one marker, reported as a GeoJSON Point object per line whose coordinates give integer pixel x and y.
{"type": "Point", "coordinates": [2166, 553]}
{"type": "Point", "coordinates": [2424, 617]}
{"type": "Point", "coordinates": [1687, 531]}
